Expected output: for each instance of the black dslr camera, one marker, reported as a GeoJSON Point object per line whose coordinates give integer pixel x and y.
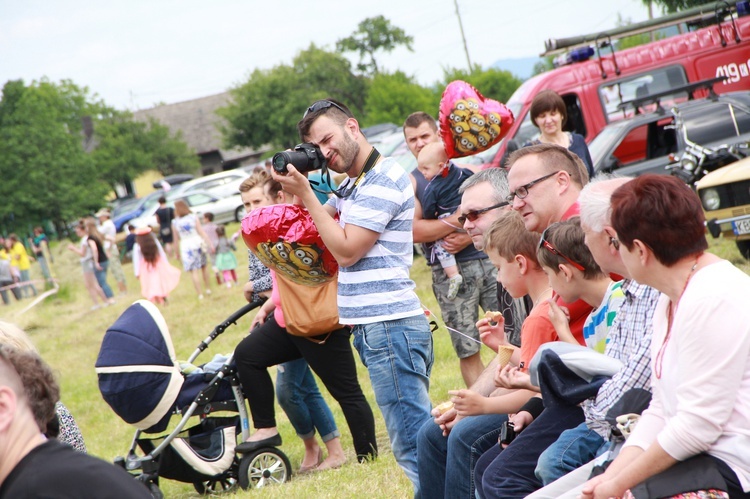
{"type": "Point", "coordinates": [507, 433]}
{"type": "Point", "coordinates": [305, 158]}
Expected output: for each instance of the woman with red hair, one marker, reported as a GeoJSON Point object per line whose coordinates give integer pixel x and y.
{"type": "Point", "coordinates": [695, 435]}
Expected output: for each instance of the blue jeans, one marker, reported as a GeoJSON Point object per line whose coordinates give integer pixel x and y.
{"type": "Point", "coordinates": [398, 356]}
{"type": "Point", "coordinates": [25, 277]}
{"type": "Point", "coordinates": [101, 278]}
{"type": "Point", "coordinates": [300, 398]}
{"type": "Point", "coordinates": [573, 449]}
{"type": "Point", "coordinates": [470, 438]}
{"type": "Point", "coordinates": [44, 266]}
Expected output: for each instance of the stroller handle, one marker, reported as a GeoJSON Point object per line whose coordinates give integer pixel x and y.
{"type": "Point", "coordinates": [232, 319]}
{"type": "Point", "coordinates": [219, 329]}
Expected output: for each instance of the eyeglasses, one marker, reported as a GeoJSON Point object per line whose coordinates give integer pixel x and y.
{"type": "Point", "coordinates": [523, 191]}
{"type": "Point", "coordinates": [543, 243]}
{"type": "Point", "coordinates": [323, 104]}
{"type": "Point", "coordinates": [474, 214]}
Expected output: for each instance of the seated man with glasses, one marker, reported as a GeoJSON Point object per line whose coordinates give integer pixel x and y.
{"type": "Point", "coordinates": [371, 240]}
{"type": "Point", "coordinates": [545, 181]}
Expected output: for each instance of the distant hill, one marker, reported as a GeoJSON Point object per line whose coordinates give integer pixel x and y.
{"type": "Point", "coordinates": [522, 67]}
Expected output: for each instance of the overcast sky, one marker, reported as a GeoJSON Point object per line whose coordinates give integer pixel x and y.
{"type": "Point", "coordinates": [136, 53]}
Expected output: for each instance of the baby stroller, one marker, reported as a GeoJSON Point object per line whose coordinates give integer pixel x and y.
{"type": "Point", "coordinates": [140, 378]}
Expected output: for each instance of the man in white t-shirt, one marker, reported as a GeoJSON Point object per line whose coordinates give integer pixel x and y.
{"type": "Point", "coordinates": [372, 243]}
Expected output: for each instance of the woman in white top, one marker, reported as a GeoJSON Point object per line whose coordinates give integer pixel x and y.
{"type": "Point", "coordinates": [192, 244]}
{"type": "Point", "coordinates": [695, 435]}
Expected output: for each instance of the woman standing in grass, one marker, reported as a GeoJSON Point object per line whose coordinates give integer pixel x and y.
{"type": "Point", "coordinates": [189, 238]}
{"type": "Point", "coordinates": [101, 260]}
{"type": "Point", "coordinates": [86, 253]}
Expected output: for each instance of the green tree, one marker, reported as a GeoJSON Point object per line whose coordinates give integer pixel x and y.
{"type": "Point", "coordinates": [493, 83]}
{"type": "Point", "coordinates": [53, 167]}
{"type": "Point", "coordinates": [125, 148]}
{"type": "Point", "coordinates": [672, 6]}
{"type": "Point", "coordinates": [266, 108]}
{"type": "Point", "coordinates": [393, 97]}
{"type": "Point", "coordinates": [542, 65]}
{"type": "Point", "coordinates": [46, 174]}
{"type": "Point", "coordinates": [372, 35]}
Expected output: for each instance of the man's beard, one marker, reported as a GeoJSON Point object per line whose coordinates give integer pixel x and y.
{"type": "Point", "coordinates": [347, 153]}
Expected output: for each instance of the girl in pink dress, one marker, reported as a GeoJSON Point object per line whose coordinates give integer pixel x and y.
{"type": "Point", "coordinates": [158, 277]}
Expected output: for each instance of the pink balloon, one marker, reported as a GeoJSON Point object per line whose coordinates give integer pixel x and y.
{"type": "Point", "coordinates": [469, 122]}
{"type": "Point", "coordinates": [285, 239]}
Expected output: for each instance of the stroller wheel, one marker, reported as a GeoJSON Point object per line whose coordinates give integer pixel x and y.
{"type": "Point", "coordinates": [263, 467]}
{"type": "Point", "coordinates": [216, 485]}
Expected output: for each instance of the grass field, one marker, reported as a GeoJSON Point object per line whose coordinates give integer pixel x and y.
{"type": "Point", "coordinates": [68, 336]}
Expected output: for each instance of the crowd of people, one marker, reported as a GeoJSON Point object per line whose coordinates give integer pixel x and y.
{"type": "Point", "coordinates": [654, 400]}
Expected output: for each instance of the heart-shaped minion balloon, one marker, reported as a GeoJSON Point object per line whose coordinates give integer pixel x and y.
{"type": "Point", "coordinates": [469, 122]}
{"type": "Point", "coordinates": [285, 239]}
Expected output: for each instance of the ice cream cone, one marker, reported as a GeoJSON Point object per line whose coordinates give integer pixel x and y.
{"type": "Point", "coordinates": [503, 355]}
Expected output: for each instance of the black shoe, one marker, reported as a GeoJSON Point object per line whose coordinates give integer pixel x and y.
{"type": "Point", "coordinates": [246, 447]}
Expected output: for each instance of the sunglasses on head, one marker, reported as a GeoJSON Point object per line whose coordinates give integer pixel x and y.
{"type": "Point", "coordinates": [323, 104]}
{"type": "Point", "coordinates": [474, 214]}
{"type": "Point", "coordinates": [543, 243]}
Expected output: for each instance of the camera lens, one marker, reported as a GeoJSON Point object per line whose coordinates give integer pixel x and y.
{"type": "Point", "coordinates": [280, 160]}
{"type": "Point", "coordinates": [304, 157]}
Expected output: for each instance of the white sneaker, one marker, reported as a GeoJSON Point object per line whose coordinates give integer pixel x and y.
{"type": "Point", "coordinates": [200, 297]}
{"type": "Point", "coordinates": [208, 291]}
{"type": "Point", "coordinates": [454, 285]}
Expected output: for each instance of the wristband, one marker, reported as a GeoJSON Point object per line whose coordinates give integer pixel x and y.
{"type": "Point", "coordinates": [534, 406]}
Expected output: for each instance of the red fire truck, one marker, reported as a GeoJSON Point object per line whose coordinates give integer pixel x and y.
{"type": "Point", "coordinates": [596, 82]}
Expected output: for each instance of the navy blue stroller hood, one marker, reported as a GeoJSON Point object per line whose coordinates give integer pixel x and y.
{"type": "Point", "coordinates": [139, 376]}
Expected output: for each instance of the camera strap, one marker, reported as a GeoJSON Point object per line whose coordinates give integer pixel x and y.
{"type": "Point", "coordinates": [372, 159]}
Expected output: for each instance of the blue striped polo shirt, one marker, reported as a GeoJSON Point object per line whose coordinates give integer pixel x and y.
{"type": "Point", "coordinates": [378, 287]}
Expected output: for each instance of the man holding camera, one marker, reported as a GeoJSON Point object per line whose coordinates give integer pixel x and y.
{"type": "Point", "coordinates": [372, 242]}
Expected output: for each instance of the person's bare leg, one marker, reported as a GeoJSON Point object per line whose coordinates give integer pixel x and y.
{"type": "Point", "coordinates": [336, 457]}
{"type": "Point", "coordinates": [206, 282]}
{"type": "Point", "coordinates": [471, 368]}
{"type": "Point", "coordinates": [98, 289]}
{"type": "Point", "coordinates": [451, 270]}
{"type": "Point", "coordinates": [313, 454]}
{"type": "Point", "coordinates": [196, 277]}
{"type": "Point", "coordinates": [90, 281]}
